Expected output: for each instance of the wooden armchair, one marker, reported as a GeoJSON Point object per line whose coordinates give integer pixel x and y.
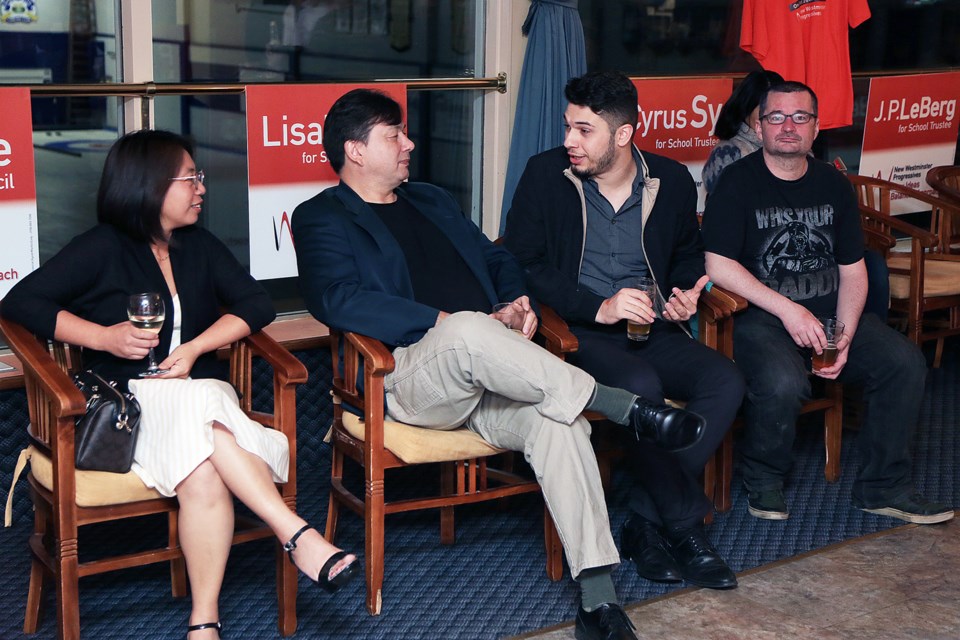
{"type": "Point", "coordinates": [946, 182]}
{"type": "Point", "coordinates": [66, 499]}
{"type": "Point", "coordinates": [379, 445]}
{"type": "Point", "coordinates": [927, 278]}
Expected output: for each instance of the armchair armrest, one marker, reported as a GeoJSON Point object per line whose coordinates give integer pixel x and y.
{"type": "Point", "coordinates": [287, 373]}
{"type": "Point", "coordinates": [54, 403]}
{"type": "Point", "coordinates": [715, 318]}
{"type": "Point", "coordinates": [558, 339]}
{"type": "Point", "coordinates": [369, 355]}
{"type": "Point", "coordinates": [945, 180]}
{"type": "Point", "coordinates": [40, 367]}
{"type": "Point", "coordinates": [377, 359]}
{"type": "Point", "coordinates": [285, 365]}
{"type": "Point", "coordinates": [888, 223]}
{"type": "Point", "coordinates": [718, 303]}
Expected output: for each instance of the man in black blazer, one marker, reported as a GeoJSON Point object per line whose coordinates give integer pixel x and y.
{"type": "Point", "coordinates": [399, 262]}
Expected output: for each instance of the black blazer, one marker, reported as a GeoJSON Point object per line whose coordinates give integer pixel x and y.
{"type": "Point", "coordinates": [98, 270]}
{"type": "Point", "coordinates": [354, 276]}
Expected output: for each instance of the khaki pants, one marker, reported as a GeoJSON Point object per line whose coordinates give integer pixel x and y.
{"type": "Point", "coordinates": [472, 370]}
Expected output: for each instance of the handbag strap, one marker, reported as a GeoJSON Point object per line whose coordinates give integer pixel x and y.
{"type": "Point", "coordinates": [21, 463]}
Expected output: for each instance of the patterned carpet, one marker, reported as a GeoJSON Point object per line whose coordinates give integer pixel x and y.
{"type": "Point", "coordinates": [491, 584]}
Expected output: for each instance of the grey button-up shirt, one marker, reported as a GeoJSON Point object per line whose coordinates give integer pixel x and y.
{"type": "Point", "coordinates": [612, 249]}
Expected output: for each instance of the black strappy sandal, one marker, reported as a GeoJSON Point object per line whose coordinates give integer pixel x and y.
{"type": "Point", "coordinates": [330, 585]}
{"type": "Point", "coordinates": [205, 625]}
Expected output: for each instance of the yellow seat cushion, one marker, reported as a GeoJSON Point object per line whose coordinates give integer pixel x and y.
{"type": "Point", "coordinates": [417, 445]}
{"type": "Point", "coordinates": [940, 278]}
{"type": "Point", "coordinates": [94, 488]}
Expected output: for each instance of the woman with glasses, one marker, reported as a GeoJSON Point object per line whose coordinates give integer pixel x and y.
{"type": "Point", "coordinates": [195, 443]}
{"type": "Point", "coordinates": [737, 124]}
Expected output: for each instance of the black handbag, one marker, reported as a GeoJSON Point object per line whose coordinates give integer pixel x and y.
{"type": "Point", "coordinates": [106, 435]}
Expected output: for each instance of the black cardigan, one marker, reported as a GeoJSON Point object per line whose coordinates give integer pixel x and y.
{"type": "Point", "coordinates": [98, 270]}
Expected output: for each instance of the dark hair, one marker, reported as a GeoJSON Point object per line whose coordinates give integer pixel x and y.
{"type": "Point", "coordinates": [135, 180]}
{"type": "Point", "coordinates": [352, 117]}
{"type": "Point", "coordinates": [789, 87]}
{"type": "Point", "coordinates": [609, 94]}
{"type": "Point", "coordinates": [744, 99]}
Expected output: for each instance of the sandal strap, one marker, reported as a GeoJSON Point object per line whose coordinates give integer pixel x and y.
{"type": "Point", "coordinates": [291, 544]}
{"type": "Point", "coordinates": [330, 563]}
{"type": "Point", "coordinates": [205, 625]}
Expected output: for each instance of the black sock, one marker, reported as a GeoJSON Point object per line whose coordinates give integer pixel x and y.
{"type": "Point", "coordinates": [596, 588]}
{"type": "Point", "coordinates": [612, 402]}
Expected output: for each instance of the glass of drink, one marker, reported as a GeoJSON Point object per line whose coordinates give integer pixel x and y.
{"type": "Point", "coordinates": [832, 329]}
{"type": "Point", "coordinates": [510, 314]}
{"type": "Point", "coordinates": [145, 311]}
{"type": "Point", "coordinates": [640, 331]}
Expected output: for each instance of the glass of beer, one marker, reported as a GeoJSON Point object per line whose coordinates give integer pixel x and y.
{"type": "Point", "coordinates": [640, 331]}
{"type": "Point", "coordinates": [832, 329]}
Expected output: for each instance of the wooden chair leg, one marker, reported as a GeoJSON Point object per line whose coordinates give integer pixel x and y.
{"type": "Point", "coordinates": [833, 432]}
{"type": "Point", "coordinates": [34, 597]}
{"type": "Point", "coordinates": [724, 458]}
{"type": "Point", "coordinates": [938, 354]}
{"type": "Point", "coordinates": [31, 617]}
{"type": "Point", "coordinates": [448, 486]}
{"type": "Point", "coordinates": [551, 540]}
{"type": "Point", "coordinates": [333, 507]}
{"type": "Point", "coordinates": [604, 465]}
{"type": "Point", "coordinates": [374, 518]}
{"type": "Point", "coordinates": [710, 484]}
{"type": "Point", "coordinates": [286, 593]}
{"type": "Point", "coordinates": [68, 590]}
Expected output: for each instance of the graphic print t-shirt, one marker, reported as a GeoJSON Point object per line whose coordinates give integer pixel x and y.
{"type": "Point", "coordinates": [790, 235]}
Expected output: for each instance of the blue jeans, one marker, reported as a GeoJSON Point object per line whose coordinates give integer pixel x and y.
{"type": "Point", "coordinates": [892, 372]}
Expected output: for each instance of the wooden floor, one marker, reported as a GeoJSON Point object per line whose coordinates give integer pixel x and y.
{"type": "Point", "coordinates": [903, 583]}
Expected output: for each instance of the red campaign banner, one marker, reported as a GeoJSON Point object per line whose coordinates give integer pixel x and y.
{"type": "Point", "coordinates": [911, 111]}
{"type": "Point", "coordinates": [285, 130]}
{"type": "Point", "coordinates": [17, 180]}
{"type": "Point", "coordinates": [676, 118]}
{"type": "Point", "coordinates": [287, 164]}
{"type": "Point", "coordinates": [911, 126]}
{"type": "Point", "coordinates": [19, 252]}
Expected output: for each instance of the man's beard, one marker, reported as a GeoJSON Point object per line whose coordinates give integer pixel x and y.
{"type": "Point", "coordinates": [604, 163]}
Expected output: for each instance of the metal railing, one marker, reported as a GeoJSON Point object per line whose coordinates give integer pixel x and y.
{"type": "Point", "coordinates": [153, 89]}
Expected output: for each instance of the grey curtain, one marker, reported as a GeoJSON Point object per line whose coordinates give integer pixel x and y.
{"type": "Point", "coordinates": [555, 53]}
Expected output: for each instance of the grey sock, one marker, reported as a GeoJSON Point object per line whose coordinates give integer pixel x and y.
{"type": "Point", "coordinates": [612, 402]}
{"type": "Point", "coordinates": [596, 588]}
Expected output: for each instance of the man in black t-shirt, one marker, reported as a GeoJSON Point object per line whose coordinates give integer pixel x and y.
{"type": "Point", "coordinates": [783, 230]}
{"type": "Point", "coordinates": [399, 262]}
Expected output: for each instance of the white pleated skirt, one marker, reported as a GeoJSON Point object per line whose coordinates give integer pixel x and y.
{"type": "Point", "coordinates": [176, 430]}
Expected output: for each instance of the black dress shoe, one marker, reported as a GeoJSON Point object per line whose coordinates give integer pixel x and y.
{"type": "Point", "coordinates": [698, 560]}
{"type": "Point", "coordinates": [667, 426]}
{"type": "Point", "coordinates": [641, 542]}
{"type": "Point", "coordinates": [607, 622]}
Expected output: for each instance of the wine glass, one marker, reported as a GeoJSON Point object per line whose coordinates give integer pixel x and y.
{"type": "Point", "coordinates": [146, 311]}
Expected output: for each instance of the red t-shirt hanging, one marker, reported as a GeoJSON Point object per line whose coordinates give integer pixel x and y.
{"type": "Point", "coordinates": [807, 40]}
